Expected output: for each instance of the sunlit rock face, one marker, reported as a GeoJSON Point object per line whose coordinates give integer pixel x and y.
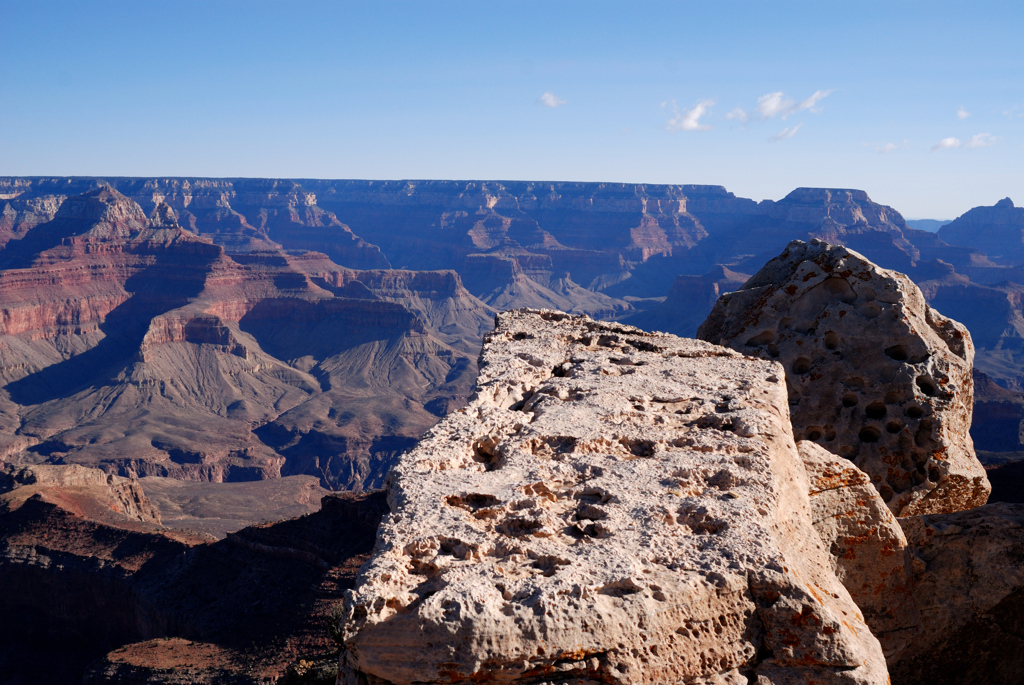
{"type": "Point", "coordinates": [874, 374]}
{"type": "Point", "coordinates": [611, 507]}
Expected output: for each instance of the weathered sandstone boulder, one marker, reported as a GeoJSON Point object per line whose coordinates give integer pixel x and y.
{"type": "Point", "coordinates": [611, 507]}
{"type": "Point", "coordinates": [969, 587]}
{"type": "Point", "coordinates": [869, 550]}
{"type": "Point", "coordinates": [874, 374]}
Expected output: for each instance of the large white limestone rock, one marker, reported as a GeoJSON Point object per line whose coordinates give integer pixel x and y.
{"type": "Point", "coordinates": [874, 374]}
{"type": "Point", "coordinates": [611, 507]}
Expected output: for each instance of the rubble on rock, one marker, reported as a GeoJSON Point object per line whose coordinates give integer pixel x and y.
{"type": "Point", "coordinates": [874, 374]}
{"type": "Point", "coordinates": [613, 507]}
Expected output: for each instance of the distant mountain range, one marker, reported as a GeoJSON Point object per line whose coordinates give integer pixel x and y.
{"type": "Point", "coordinates": [930, 225]}
{"type": "Point", "coordinates": [239, 329]}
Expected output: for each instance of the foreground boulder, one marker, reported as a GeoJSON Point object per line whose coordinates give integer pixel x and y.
{"type": "Point", "coordinates": [874, 374]}
{"type": "Point", "coordinates": [612, 507]}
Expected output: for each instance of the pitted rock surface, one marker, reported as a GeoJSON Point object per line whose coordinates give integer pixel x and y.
{"type": "Point", "coordinates": [869, 550]}
{"type": "Point", "coordinates": [611, 507]}
{"type": "Point", "coordinates": [874, 374]}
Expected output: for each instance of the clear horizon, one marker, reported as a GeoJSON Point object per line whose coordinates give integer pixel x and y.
{"type": "Point", "coordinates": [921, 105]}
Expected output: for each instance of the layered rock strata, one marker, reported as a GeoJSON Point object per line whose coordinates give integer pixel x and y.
{"type": "Point", "coordinates": [613, 507]}
{"type": "Point", "coordinates": [874, 374]}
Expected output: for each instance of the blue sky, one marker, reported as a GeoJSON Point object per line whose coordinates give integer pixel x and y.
{"type": "Point", "coordinates": [920, 104]}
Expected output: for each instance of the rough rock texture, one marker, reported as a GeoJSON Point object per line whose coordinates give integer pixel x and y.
{"type": "Point", "coordinates": [969, 586]}
{"type": "Point", "coordinates": [874, 374]}
{"type": "Point", "coordinates": [866, 542]}
{"type": "Point", "coordinates": [613, 507]}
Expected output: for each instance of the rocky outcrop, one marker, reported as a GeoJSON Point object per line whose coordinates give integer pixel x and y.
{"type": "Point", "coordinates": [868, 547]}
{"type": "Point", "coordinates": [874, 374]}
{"type": "Point", "coordinates": [969, 587]}
{"type": "Point", "coordinates": [88, 492]}
{"type": "Point", "coordinates": [613, 507]}
{"type": "Point", "coordinates": [998, 231]}
{"type": "Point", "coordinates": [689, 302]}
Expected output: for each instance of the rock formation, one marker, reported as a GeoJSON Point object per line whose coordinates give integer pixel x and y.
{"type": "Point", "coordinates": [998, 231]}
{"type": "Point", "coordinates": [874, 374]}
{"type": "Point", "coordinates": [689, 302]}
{"type": "Point", "coordinates": [868, 547]}
{"type": "Point", "coordinates": [119, 329]}
{"type": "Point", "coordinates": [613, 507]}
{"type": "Point", "coordinates": [969, 588]}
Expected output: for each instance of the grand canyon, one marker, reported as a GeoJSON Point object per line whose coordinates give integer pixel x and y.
{"type": "Point", "coordinates": [302, 430]}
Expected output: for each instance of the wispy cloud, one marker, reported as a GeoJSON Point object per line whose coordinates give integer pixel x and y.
{"type": "Point", "coordinates": [739, 115]}
{"type": "Point", "coordinates": [1015, 112]}
{"type": "Point", "coordinates": [549, 99]}
{"type": "Point", "coordinates": [785, 133]}
{"type": "Point", "coordinates": [975, 141]}
{"type": "Point", "coordinates": [962, 114]}
{"type": "Point", "coordinates": [689, 120]}
{"type": "Point", "coordinates": [777, 104]}
{"type": "Point", "coordinates": [887, 147]}
{"type": "Point", "coordinates": [981, 140]}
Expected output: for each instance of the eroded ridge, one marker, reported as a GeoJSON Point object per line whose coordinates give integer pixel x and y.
{"type": "Point", "coordinates": [874, 374]}
{"type": "Point", "coordinates": [612, 507]}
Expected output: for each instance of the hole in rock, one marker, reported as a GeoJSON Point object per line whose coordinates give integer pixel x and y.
{"type": "Point", "coordinates": [813, 433]}
{"type": "Point", "coordinates": [644, 346]}
{"type": "Point", "coordinates": [847, 452]}
{"type": "Point", "coordinates": [892, 397]}
{"type": "Point", "coordinates": [869, 434]}
{"type": "Point", "coordinates": [830, 433]}
{"type": "Point", "coordinates": [855, 382]}
{"type": "Point", "coordinates": [831, 340]}
{"type": "Point", "coordinates": [886, 492]}
{"type": "Point", "coordinates": [914, 412]}
{"type": "Point", "coordinates": [875, 410]}
{"type": "Point", "coordinates": [894, 426]}
{"type": "Point", "coordinates": [485, 452]}
{"type": "Point", "coordinates": [802, 365]}
{"type": "Point", "coordinates": [762, 338]}
{"type": "Point", "coordinates": [553, 316]}
{"type": "Point", "coordinates": [640, 448]}
{"type": "Point", "coordinates": [897, 352]}
{"type": "Point", "coordinates": [773, 350]}
{"type": "Point", "coordinates": [869, 310]}
{"type": "Point", "coordinates": [927, 385]}
{"type": "Point", "coordinates": [522, 336]}
{"type": "Point", "coordinates": [608, 341]}
{"type": "Point", "coordinates": [472, 501]}
{"type": "Point", "coordinates": [934, 475]}
{"type": "Point", "coordinates": [850, 400]}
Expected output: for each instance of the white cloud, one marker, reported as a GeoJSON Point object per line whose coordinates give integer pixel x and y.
{"type": "Point", "coordinates": [785, 133]}
{"type": "Point", "coordinates": [549, 99]}
{"type": "Point", "coordinates": [962, 113]}
{"type": "Point", "coordinates": [947, 143]}
{"type": "Point", "coordinates": [887, 147]}
{"type": "Point", "coordinates": [981, 140]}
{"type": "Point", "coordinates": [690, 119]}
{"type": "Point", "coordinates": [974, 142]}
{"type": "Point", "coordinates": [738, 115]}
{"type": "Point", "coordinates": [778, 105]}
